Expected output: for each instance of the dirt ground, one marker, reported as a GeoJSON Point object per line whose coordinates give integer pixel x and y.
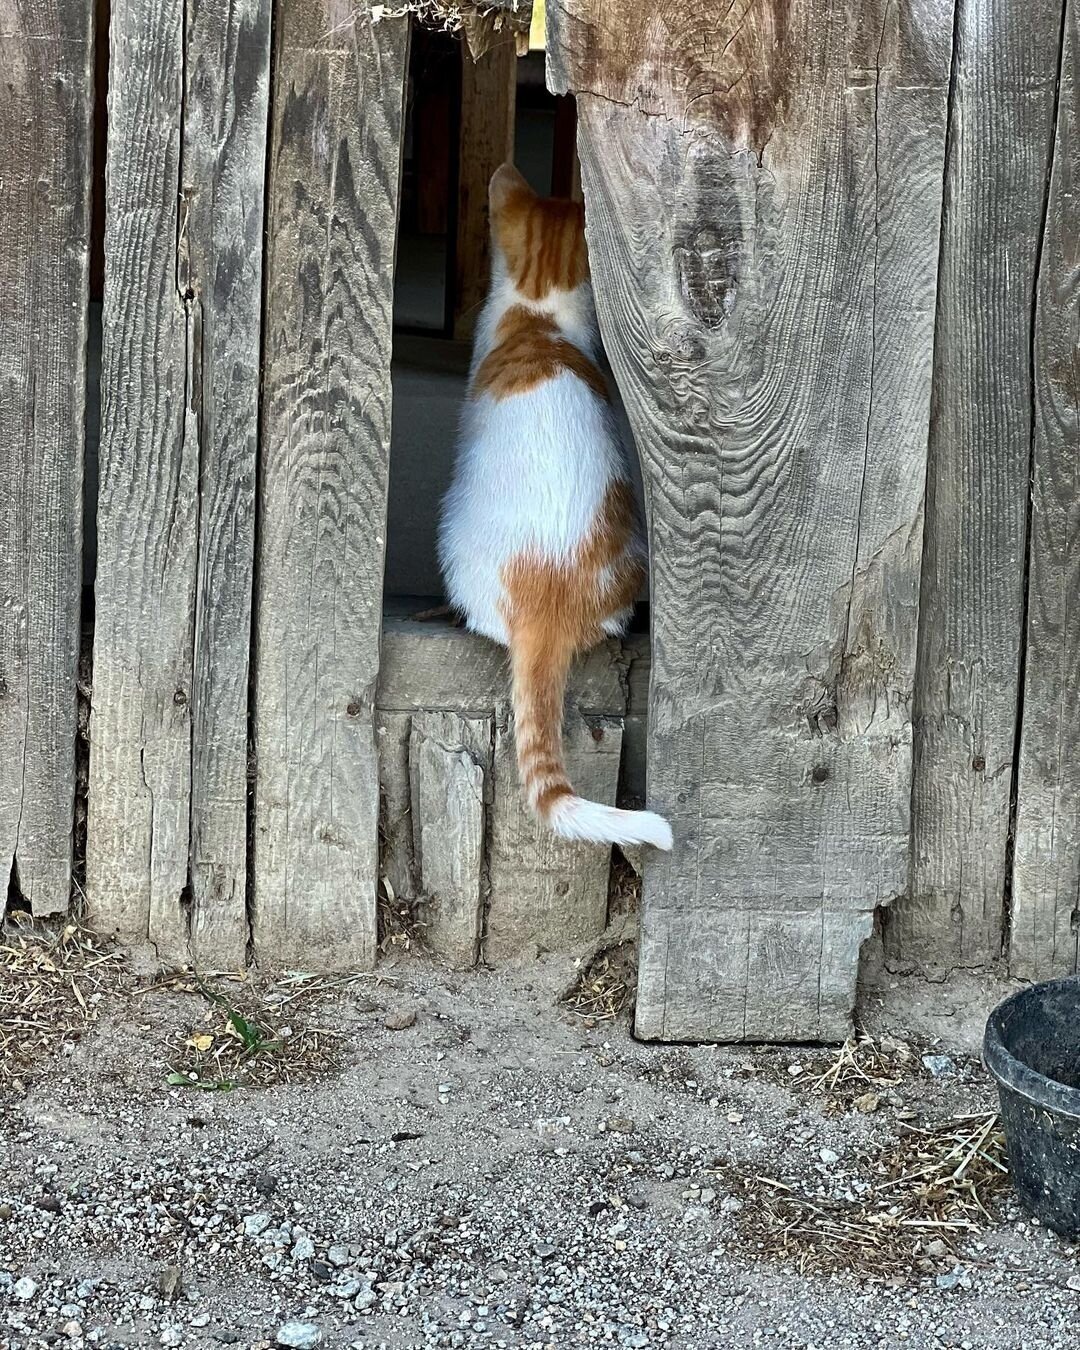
{"type": "Point", "coordinates": [436, 1158]}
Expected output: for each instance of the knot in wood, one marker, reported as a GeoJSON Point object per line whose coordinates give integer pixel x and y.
{"type": "Point", "coordinates": [708, 268]}
{"type": "Point", "coordinates": [179, 698]}
{"type": "Point", "coordinates": [680, 345]}
{"type": "Point", "coordinates": [353, 709]}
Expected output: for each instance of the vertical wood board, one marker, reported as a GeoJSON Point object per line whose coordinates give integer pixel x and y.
{"type": "Point", "coordinates": [443, 712]}
{"type": "Point", "coordinates": [450, 778]}
{"type": "Point", "coordinates": [335, 168]}
{"type": "Point", "coordinates": [1046, 861]}
{"type": "Point", "coordinates": [46, 102]}
{"type": "Point", "coordinates": [545, 891]}
{"type": "Point", "coordinates": [147, 518]}
{"type": "Point", "coordinates": [227, 68]}
{"type": "Point", "coordinates": [187, 134]}
{"type": "Point", "coordinates": [971, 610]}
{"type": "Point", "coordinates": [762, 197]}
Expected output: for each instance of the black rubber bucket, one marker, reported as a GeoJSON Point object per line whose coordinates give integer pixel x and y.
{"type": "Point", "coordinates": [1032, 1047]}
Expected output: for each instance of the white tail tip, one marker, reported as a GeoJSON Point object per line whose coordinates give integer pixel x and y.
{"type": "Point", "coordinates": [576, 818]}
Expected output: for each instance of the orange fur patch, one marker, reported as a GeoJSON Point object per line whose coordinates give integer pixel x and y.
{"type": "Point", "coordinates": [542, 239]}
{"type": "Point", "coordinates": [554, 610]}
{"type": "Point", "coordinates": [528, 352]}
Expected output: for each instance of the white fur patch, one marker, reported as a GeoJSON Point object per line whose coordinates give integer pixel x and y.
{"type": "Point", "coordinates": [576, 818]}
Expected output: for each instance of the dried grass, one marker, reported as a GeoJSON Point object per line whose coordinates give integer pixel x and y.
{"type": "Point", "coordinates": [399, 925]}
{"type": "Point", "coordinates": [451, 16]}
{"type": "Point", "coordinates": [920, 1196]}
{"type": "Point", "coordinates": [861, 1071]}
{"type": "Point", "coordinates": [256, 1032]}
{"type": "Point", "coordinates": [53, 979]}
{"type": "Point", "coordinates": [605, 986]}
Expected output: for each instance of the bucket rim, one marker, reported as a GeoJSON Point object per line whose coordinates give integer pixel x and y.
{"type": "Point", "coordinates": [1013, 1073]}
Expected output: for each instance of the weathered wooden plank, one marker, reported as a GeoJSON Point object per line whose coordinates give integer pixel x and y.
{"type": "Point", "coordinates": [1046, 861]}
{"type": "Point", "coordinates": [762, 196]}
{"type": "Point", "coordinates": [441, 687]}
{"type": "Point", "coordinates": [430, 665]}
{"type": "Point", "coordinates": [543, 890]}
{"type": "Point", "coordinates": [335, 170]}
{"type": "Point", "coordinates": [488, 88]}
{"type": "Point", "coordinates": [977, 485]}
{"type": "Point", "coordinates": [450, 777]}
{"type": "Point", "coordinates": [494, 22]}
{"type": "Point", "coordinates": [147, 520]}
{"type": "Point", "coordinates": [176, 505]}
{"type": "Point", "coordinates": [46, 105]}
{"type": "Point", "coordinates": [223, 172]}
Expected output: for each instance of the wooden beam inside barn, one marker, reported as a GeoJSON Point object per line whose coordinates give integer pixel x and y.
{"type": "Point", "coordinates": [488, 89]}
{"type": "Point", "coordinates": [45, 144]}
{"type": "Point", "coordinates": [335, 169]}
{"type": "Point", "coordinates": [763, 202]}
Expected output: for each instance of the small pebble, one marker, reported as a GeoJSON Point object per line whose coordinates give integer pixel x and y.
{"type": "Point", "coordinates": [299, 1335]}
{"type": "Point", "coordinates": [938, 1065]}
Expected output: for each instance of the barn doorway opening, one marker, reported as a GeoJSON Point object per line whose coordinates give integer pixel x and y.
{"type": "Point", "coordinates": [462, 120]}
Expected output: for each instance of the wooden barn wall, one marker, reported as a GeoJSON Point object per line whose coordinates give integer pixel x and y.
{"type": "Point", "coordinates": [835, 248]}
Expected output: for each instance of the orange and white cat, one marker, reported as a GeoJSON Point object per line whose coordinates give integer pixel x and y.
{"type": "Point", "coordinates": [540, 546]}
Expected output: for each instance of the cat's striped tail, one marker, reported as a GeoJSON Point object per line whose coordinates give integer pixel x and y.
{"type": "Point", "coordinates": [540, 665]}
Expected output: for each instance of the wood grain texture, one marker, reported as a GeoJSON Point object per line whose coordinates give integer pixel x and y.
{"type": "Point", "coordinates": [46, 102]}
{"type": "Point", "coordinates": [223, 176]}
{"type": "Point", "coordinates": [431, 666]}
{"type": "Point", "coordinates": [335, 169]}
{"type": "Point", "coordinates": [544, 891]}
{"type": "Point", "coordinates": [450, 779]}
{"type": "Point", "coordinates": [488, 90]}
{"type": "Point", "coordinates": [1046, 860]}
{"type": "Point", "coordinates": [441, 692]}
{"type": "Point", "coordinates": [977, 485]}
{"type": "Point", "coordinates": [147, 520]}
{"type": "Point", "coordinates": [763, 196]}
{"type": "Point", "coordinates": [168, 815]}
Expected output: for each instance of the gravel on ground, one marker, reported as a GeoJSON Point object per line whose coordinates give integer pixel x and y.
{"type": "Point", "coordinates": [434, 1158]}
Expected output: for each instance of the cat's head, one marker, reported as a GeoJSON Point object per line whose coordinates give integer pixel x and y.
{"type": "Point", "coordinates": [540, 241]}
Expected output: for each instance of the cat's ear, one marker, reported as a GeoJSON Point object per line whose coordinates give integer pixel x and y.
{"type": "Point", "coordinates": [507, 185]}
